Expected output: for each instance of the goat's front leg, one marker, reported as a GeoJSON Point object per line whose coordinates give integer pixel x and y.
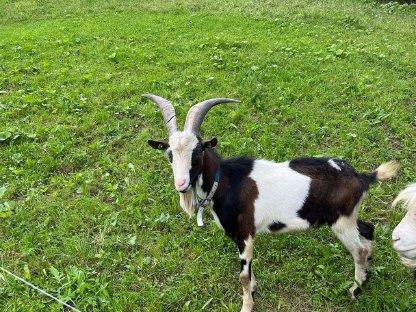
{"type": "Point", "coordinates": [248, 283]}
{"type": "Point", "coordinates": [253, 284]}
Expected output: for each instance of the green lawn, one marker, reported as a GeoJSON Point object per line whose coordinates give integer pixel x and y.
{"type": "Point", "coordinates": [89, 212]}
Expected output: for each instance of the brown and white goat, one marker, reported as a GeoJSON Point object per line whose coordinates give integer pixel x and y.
{"type": "Point", "coordinates": [255, 196]}
{"type": "Point", "coordinates": [404, 234]}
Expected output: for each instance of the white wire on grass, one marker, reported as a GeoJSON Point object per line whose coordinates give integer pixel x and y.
{"type": "Point", "coordinates": [38, 289]}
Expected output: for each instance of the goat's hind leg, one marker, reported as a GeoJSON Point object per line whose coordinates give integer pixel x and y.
{"type": "Point", "coordinates": [253, 284]}
{"type": "Point", "coordinates": [346, 229]}
{"type": "Point", "coordinates": [366, 230]}
{"type": "Point", "coordinates": [246, 276]}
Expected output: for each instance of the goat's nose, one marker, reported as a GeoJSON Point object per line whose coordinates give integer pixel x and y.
{"type": "Point", "coordinates": [180, 182]}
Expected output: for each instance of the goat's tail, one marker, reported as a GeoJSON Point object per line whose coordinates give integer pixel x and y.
{"type": "Point", "coordinates": [387, 170]}
{"type": "Point", "coordinates": [407, 196]}
{"type": "Point", "coordinates": [383, 172]}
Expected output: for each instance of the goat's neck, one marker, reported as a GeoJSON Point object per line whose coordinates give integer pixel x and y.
{"type": "Point", "coordinates": [211, 163]}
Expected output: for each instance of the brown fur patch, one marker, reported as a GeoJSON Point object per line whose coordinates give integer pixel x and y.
{"type": "Point", "coordinates": [209, 165]}
{"type": "Point", "coordinates": [249, 194]}
{"type": "Point", "coordinates": [235, 195]}
{"type": "Point", "coordinates": [341, 193]}
{"type": "Point", "coordinates": [333, 193]}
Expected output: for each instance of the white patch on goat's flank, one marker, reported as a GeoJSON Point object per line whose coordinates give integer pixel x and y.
{"type": "Point", "coordinates": [294, 225]}
{"type": "Point", "coordinates": [282, 193]}
{"type": "Point", "coordinates": [333, 164]}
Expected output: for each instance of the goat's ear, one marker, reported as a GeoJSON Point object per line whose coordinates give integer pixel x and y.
{"type": "Point", "coordinates": [160, 145]}
{"type": "Point", "coordinates": [209, 143]}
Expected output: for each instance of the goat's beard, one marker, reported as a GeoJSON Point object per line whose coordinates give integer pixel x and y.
{"type": "Point", "coordinates": [408, 262]}
{"type": "Point", "coordinates": [189, 201]}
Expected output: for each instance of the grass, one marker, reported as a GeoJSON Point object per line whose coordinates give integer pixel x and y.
{"type": "Point", "coordinates": [88, 211]}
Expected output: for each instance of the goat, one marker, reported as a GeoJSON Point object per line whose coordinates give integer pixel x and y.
{"type": "Point", "coordinates": [248, 196]}
{"type": "Point", "coordinates": [404, 234]}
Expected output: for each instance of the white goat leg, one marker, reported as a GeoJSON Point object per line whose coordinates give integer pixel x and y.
{"type": "Point", "coordinates": [346, 230]}
{"type": "Point", "coordinates": [245, 275]}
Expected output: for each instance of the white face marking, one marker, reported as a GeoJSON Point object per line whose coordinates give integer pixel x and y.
{"type": "Point", "coordinates": [404, 236]}
{"type": "Point", "coordinates": [182, 144]}
{"type": "Point", "coordinates": [333, 164]}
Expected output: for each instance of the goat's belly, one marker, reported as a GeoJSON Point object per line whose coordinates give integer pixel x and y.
{"type": "Point", "coordinates": [282, 193]}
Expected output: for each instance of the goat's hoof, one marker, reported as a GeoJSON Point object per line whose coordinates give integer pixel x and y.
{"type": "Point", "coordinates": [367, 277]}
{"type": "Point", "coordinates": [355, 291]}
{"type": "Point", "coordinates": [247, 308]}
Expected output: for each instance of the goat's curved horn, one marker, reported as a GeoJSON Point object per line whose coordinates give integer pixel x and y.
{"type": "Point", "coordinates": [197, 113]}
{"type": "Point", "coordinates": [168, 111]}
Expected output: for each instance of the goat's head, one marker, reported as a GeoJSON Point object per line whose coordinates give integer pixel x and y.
{"type": "Point", "coordinates": [185, 149]}
{"type": "Point", "coordinates": [404, 235]}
